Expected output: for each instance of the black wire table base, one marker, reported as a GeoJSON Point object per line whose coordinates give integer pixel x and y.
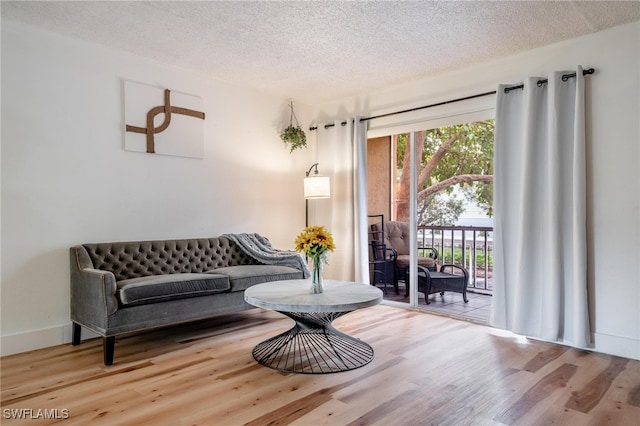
{"type": "Point", "coordinates": [313, 346]}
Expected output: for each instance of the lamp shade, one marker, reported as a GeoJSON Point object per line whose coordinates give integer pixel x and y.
{"type": "Point", "coordinates": [317, 187]}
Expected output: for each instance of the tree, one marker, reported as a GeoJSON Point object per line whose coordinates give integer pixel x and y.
{"type": "Point", "coordinates": [439, 210]}
{"type": "Point", "coordinates": [455, 155]}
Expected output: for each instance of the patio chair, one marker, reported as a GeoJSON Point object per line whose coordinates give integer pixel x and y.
{"type": "Point", "coordinates": [382, 260]}
{"type": "Point", "coordinates": [450, 278]}
{"type": "Point", "coordinates": [382, 266]}
{"type": "Point", "coordinates": [395, 235]}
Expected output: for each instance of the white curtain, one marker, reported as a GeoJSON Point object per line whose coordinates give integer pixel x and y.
{"type": "Point", "coordinates": [342, 155]}
{"type": "Point", "coordinates": [540, 283]}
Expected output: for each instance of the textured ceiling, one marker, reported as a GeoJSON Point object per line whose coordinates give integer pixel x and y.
{"type": "Point", "coordinates": [319, 51]}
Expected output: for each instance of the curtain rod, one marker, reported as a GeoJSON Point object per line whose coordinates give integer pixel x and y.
{"type": "Point", "coordinates": [565, 77]}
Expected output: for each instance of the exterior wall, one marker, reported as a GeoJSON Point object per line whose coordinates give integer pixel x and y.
{"type": "Point", "coordinates": [613, 154]}
{"type": "Point", "coordinates": [66, 178]}
{"type": "Point", "coordinates": [379, 176]}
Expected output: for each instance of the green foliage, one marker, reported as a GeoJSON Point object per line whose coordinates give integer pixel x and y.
{"type": "Point", "coordinates": [439, 210]}
{"type": "Point", "coordinates": [295, 136]}
{"type": "Point", "coordinates": [445, 257]}
{"type": "Point", "coordinates": [470, 154]}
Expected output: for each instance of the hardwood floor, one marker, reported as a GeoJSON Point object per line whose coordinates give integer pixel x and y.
{"type": "Point", "coordinates": [477, 310]}
{"type": "Point", "coordinates": [427, 370]}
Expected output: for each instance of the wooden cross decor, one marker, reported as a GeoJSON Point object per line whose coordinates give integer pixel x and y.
{"type": "Point", "coordinates": [167, 109]}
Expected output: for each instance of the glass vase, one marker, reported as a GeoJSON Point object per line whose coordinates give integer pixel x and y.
{"type": "Point", "coordinates": [316, 274]}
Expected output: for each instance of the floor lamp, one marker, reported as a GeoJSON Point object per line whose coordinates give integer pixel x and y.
{"type": "Point", "coordinates": [315, 186]}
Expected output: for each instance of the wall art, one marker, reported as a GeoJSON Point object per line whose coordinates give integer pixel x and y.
{"type": "Point", "coordinates": [162, 121]}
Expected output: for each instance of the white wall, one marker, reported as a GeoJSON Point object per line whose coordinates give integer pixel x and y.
{"type": "Point", "coordinates": [613, 155]}
{"type": "Point", "coordinates": [66, 178]}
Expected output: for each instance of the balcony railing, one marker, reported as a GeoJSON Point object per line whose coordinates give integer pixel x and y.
{"type": "Point", "coordinates": [467, 246]}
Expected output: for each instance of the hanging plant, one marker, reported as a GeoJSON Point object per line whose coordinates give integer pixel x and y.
{"type": "Point", "coordinates": [294, 135]}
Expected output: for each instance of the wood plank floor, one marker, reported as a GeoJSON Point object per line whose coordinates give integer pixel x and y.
{"type": "Point", "coordinates": [477, 310]}
{"type": "Point", "coordinates": [428, 370]}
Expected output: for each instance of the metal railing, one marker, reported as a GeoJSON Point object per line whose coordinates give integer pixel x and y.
{"type": "Point", "coordinates": [467, 246]}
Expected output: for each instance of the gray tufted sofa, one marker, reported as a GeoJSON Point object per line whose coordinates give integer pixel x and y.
{"type": "Point", "coordinates": [126, 287]}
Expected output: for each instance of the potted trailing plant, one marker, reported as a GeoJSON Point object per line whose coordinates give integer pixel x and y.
{"type": "Point", "coordinates": [294, 135]}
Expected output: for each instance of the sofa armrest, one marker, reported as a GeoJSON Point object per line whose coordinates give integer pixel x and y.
{"type": "Point", "coordinates": [93, 292]}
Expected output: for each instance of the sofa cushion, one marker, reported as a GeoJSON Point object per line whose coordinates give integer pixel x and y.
{"type": "Point", "coordinates": [242, 277]}
{"type": "Point", "coordinates": [159, 288]}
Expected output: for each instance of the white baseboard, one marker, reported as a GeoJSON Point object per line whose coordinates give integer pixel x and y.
{"type": "Point", "coordinates": [38, 339]}
{"type": "Point", "coordinates": [617, 345]}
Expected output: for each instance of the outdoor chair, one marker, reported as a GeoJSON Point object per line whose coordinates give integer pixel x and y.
{"type": "Point", "coordinates": [396, 236]}
{"type": "Point", "coordinates": [382, 266]}
{"type": "Point", "coordinates": [450, 278]}
{"type": "Point", "coordinates": [382, 260]}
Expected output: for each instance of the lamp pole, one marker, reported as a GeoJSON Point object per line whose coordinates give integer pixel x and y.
{"type": "Point", "coordinates": [315, 187]}
{"type": "Point", "coordinates": [306, 200]}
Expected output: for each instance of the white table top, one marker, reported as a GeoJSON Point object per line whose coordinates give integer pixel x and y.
{"type": "Point", "coordinates": [295, 296]}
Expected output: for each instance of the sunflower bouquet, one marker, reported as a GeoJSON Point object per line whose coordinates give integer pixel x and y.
{"type": "Point", "coordinates": [315, 242]}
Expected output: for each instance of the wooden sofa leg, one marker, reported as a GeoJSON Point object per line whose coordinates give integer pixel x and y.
{"type": "Point", "coordinates": [76, 334]}
{"type": "Point", "coordinates": [109, 345]}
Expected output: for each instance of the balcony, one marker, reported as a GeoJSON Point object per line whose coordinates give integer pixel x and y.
{"type": "Point", "coordinates": [467, 246]}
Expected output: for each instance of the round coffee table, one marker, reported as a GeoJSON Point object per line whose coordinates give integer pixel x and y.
{"type": "Point", "coordinates": [313, 345]}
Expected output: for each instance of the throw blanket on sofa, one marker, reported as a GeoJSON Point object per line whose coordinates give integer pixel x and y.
{"type": "Point", "coordinates": [260, 249]}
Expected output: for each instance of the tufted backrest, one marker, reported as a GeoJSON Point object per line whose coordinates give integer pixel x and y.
{"type": "Point", "coordinates": [142, 258]}
{"type": "Point", "coordinates": [396, 235]}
